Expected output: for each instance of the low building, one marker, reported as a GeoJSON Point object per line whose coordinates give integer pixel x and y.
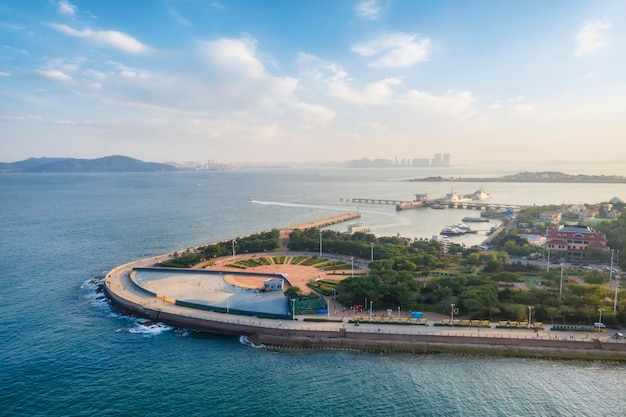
{"type": "Point", "coordinates": [553, 217]}
{"type": "Point", "coordinates": [273, 284]}
{"type": "Point", "coordinates": [574, 241]}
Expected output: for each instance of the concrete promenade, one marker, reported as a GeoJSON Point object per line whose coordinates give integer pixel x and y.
{"type": "Point", "coordinates": [126, 296]}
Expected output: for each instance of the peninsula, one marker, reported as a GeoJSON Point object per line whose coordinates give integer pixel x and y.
{"type": "Point", "coordinates": [232, 294]}
{"type": "Point", "coordinates": [544, 176]}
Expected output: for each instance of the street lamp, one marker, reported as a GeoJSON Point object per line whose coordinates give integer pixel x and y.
{"type": "Point", "coordinates": [233, 248]}
{"type": "Point", "coordinates": [530, 314]}
{"type": "Point", "coordinates": [451, 314]}
{"type": "Point", "coordinates": [293, 309]}
{"type": "Point", "coordinates": [398, 312]}
{"type": "Point", "coordinates": [548, 268]}
{"type": "Point", "coordinates": [320, 243]}
{"type": "Point", "coordinates": [352, 262]}
{"type": "Point", "coordinates": [600, 319]}
{"type": "Point", "coordinates": [561, 286]}
{"type": "Point", "coordinates": [616, 289]}
{"type": "Point", "coordinates": [372, 257]}
{"type": "Point", "coordinates": [611, 273]}
{"type": "Point", "coordinates": [371, 302]}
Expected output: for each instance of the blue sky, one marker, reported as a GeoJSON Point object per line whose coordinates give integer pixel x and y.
{"type": "Point", "coordinates": [313, 81]}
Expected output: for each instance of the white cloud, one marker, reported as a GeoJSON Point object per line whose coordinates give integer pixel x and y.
{"type": "Point", "coordinates": [239, 78]}
{"type": "Point", "coordinates": [368, 9]}
{"type": "Point", "coordinates": [66, 8]}
{"type": "Point", "coordinates": [5, 74]}
{"type": "Point", "coordinates": [54, 74]}
{"type": "Point", "coordinates": [524, 109]}
{"type": "Point", "coordinates": [394, 50]}
{"type": "Point", "coordinates": [592, 37]}
{"type": "Point", "coordinates": [179, 18]}
{"type": "Point", "coordinates": [110, 38]}
{"type": "Point", "coordinates": [12, 48]}
{"type": "Point", "coordinates": [217, 5]}
{"type": "Point", "coordinates": [314, 113]}
{"type": "Point", "coordinates": [378, 93]}
{"type": "Point", "coordinates": [28, 118]}
{"type": "Point", "coordinates": [452, 103]}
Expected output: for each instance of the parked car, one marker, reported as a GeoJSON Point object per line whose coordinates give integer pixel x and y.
{"type": "Point", "coordinates": [618, 335]}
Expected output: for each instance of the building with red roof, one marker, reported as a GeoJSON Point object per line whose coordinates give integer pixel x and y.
{"type": "Point", "coordinates": [573, 241]}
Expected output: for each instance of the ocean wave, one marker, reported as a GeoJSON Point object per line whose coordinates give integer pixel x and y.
{"type": "Point", "coordinates": [93, 291]}
{"type": "Point", "coordinates": [145, 326]}
{"type": "Point", "coordinates": [244, 341]}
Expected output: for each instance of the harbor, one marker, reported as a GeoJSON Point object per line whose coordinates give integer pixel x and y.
{"type": "Point", "coordinates": [473, 201]}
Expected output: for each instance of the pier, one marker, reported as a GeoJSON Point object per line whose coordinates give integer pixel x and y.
{"type": "Point", "coordinates": [326, 221]}
{"type": "Point", "coordinates": [439, 203]}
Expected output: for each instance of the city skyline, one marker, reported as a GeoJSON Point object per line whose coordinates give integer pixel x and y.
{"type": "Point", "coordinates": [324, 81]}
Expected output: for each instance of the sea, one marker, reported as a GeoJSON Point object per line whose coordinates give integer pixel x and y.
{"type": "Point", "coordinates": [66, 352]}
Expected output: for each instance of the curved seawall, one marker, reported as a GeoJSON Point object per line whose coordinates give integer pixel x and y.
{"type": "Point", "coordinates": [129, 297]}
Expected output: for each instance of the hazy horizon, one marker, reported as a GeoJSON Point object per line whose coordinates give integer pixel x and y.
{"type": "Point", "coordinates": [500, 84]}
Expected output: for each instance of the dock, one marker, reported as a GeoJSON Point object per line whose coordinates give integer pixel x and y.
{"type": "Point", "coordinates": [326, 221]}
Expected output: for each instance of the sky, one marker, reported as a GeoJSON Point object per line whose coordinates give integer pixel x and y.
{"type": "Point", "coordinates": [314, 81]}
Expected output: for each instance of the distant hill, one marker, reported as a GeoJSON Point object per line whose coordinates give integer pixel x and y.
{"type": "Point", "coordinates": [545, 176]}
{"type": "Point", "coordinates": [116, 163]}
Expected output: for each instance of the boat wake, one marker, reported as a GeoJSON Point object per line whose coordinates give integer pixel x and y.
{"type": "Point", "coordinates": [339, 207]}
{"type": "Point", "coordinates": [244, 341]}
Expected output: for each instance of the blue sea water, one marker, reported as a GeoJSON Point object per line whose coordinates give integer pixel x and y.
{"type": "Point", "coordinates": [65, 352]}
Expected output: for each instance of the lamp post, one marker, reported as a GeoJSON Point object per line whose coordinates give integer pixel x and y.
{"type": "Point", "coordinates": [600, 319]}
{"type": "Point", "coordinates": [371, 302]}
{"type": "Point", "coordinates": [293, 309]}
{"type": "Point", "coordinates": [611, 273]}
{"type": "Point", "coordinates": [372, 255]}
{"type": "Point", "coordinates": [530, 314]}
{"type": "Point", "coordinates": [233, 248]}
{"type": "Point", "coordinates": [320, 243]}
{"type": "Point", "coordinates": [398, 312]}
{"type": "Point", "coordinates": [328, 309]}
{"type": "Point", "coordinates": [561, 286]}
{"type": "Point", "coordinates": [548, 268]}
{"type": "Point", "coordinates": [352, 262]}
{"type": "Point", "coordinates": [451, 314]}
{"type": "Point", "coordinates": [615, 298]}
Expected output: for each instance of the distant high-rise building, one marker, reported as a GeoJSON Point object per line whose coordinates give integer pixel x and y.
{"type": "Point", "coordinates": [437, 160]}
{"type": "Point", "coordinates": [421, 162]}
{"type": "Point", "coordinates": [446, 159]}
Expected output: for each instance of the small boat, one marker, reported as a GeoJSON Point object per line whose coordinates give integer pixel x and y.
{"type": "Point", "coordinates": [439, 206]}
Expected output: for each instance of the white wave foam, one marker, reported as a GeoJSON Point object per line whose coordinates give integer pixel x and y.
{"type": "Point", "coordinates": [144, 326]}
{"type": "Point", "coordinates": [244, 341]}
{"type": "Point", "coordinates": [94, 293]}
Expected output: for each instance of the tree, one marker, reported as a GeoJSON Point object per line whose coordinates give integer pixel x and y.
{"type": "Point", "coordinates": [293, 292]}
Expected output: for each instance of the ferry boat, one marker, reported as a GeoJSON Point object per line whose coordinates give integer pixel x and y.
{"type": "Point", "coordinates": [480, 195]}
{"type": "Point", "coordinates": [458, 229]}
{"type": "Point", "coordinates": [454, 197]}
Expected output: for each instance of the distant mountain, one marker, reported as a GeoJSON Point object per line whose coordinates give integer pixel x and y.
{"type": "Point", "coordinates": [114, 163]}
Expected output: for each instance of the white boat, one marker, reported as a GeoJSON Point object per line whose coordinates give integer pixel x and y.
{"type": "Point", "coordinates": [454, 197]}
{"type": "Point", "coordinates": [480, 195]}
